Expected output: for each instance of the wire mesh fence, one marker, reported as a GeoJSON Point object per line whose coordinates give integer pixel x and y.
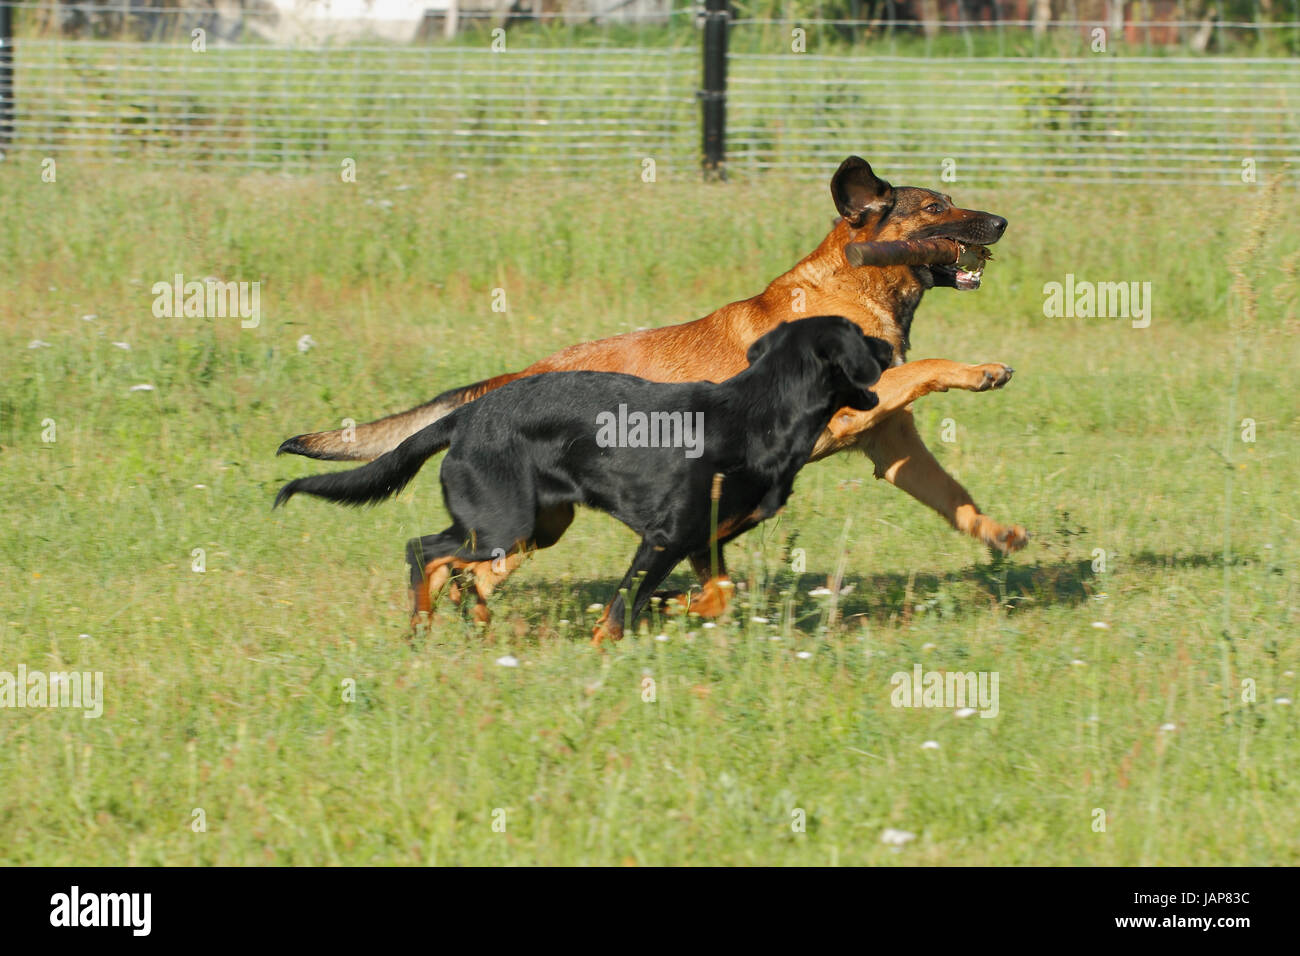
{"type": "Point", "coordinates": [602, 103]}
{"type": "Point", "coordinates": [1089, 119]}
{"type": "Point", "coordinates": [553, 110]}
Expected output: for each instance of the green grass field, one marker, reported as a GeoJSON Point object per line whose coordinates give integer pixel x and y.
{"type": "Point", "coordinates": [230, 691]}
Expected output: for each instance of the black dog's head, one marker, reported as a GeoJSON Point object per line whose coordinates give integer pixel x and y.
{"type": "Point", "coordinates": [849, 361]}
{"type": "Point", "coordinates": [885, 213]}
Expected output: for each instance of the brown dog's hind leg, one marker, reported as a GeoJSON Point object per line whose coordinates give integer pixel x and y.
{"type": "Point", "coordinates": [901, 458]}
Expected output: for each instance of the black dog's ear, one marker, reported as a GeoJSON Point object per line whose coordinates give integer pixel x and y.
{"type": "Point", "coordinates": [860, 195]}
{"type": "Point", "coordinates": [764, 345]}
{"type": "Point", "coordinates": [881, 351]}
{"type": "Point", "coordinates": [860, 358]}
{"type": "Point", "coordinates": [859, 361]}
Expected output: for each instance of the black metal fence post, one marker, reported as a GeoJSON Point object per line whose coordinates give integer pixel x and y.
{"type": "Point", "coordinates": [714, 94]}
{"type": "Point", "coordinates": [6, 73]}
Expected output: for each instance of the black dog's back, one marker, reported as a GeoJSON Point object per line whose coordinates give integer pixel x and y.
{"type": "Point", "coordinates": [610, 441]}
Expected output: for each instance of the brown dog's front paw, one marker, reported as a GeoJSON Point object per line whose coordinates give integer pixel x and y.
{"type": "Point", "coordinates": [991, 375]}
{"type": "Point", "coordinates": [1004, 538]}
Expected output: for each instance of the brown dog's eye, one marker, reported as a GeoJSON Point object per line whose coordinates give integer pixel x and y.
{"type": "Point", "coordinates": [934, 207]}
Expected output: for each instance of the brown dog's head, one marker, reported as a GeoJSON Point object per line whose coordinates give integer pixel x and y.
{"type": "Point", "coordinates": [848, 361]}
{"type": "Point", "coordinates": [879, 212]}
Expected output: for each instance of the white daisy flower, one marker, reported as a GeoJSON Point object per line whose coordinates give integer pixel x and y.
{"type": "Point", "coordinates": [893, 837]}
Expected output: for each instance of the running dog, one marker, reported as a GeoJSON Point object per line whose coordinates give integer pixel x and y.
{"type": "Point", "coordinates": [836, 278]}
{"type": "Point", "coordinates": [522, 456]}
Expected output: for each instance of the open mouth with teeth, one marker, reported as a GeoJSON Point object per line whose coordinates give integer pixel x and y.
{"type": "Point", "coordinates": [967, 272]}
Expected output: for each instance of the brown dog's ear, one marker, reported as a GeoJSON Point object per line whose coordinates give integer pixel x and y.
{"type": "Point", "coordinates": [860, 195]}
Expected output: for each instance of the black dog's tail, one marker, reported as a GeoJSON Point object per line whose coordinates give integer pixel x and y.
{"type": "Point", "coordinates": [382, 478]}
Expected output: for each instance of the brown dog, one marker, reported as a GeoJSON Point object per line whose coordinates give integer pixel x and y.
{"type": "Point", "coordinates": [881, 300]}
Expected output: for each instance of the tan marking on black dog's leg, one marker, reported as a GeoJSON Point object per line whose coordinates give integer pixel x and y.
{"type": "Point", "coordinates": [716, 589]}
{"type": "Point", "coordinates": [488, 575]}
{"type": "Point", "coordinates": [602, 631]}
{"type": "Point", "coordinates": [423, 595]}
{"type": "Point", "coordinates": [714, 599]}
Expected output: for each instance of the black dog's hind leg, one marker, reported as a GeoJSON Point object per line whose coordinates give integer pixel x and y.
{"type": "Point", "coordinates": [435, 559]}
{"type": "Point", "coordinates": [432, 560]}
{"type": "Point", "coordinates": [651, 564]}
{"type": "Point", "coordinates": [548, 527]}
{"type": "Point", "coordinates": [488, 553]}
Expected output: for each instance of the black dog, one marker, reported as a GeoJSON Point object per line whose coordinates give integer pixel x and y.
{"type": "Point", "coordinates": [687, 466]}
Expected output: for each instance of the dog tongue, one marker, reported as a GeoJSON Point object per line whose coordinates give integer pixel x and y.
{"type": "Point", "coordinates": [967, 280]}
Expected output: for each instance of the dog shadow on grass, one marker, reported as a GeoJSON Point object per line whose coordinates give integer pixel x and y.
{"type": "Point", "coordinates": [881, 597]}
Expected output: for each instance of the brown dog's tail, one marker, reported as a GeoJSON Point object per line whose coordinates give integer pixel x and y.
{"type": "Point", "coordinates": [382, 478]}
{"type": "Point", "coordinates": [369, 441]}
